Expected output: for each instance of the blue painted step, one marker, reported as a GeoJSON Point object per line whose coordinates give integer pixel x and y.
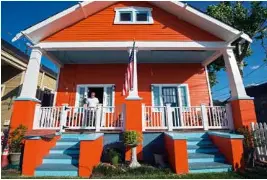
{"type": "Point", "coordinates": [56, 170]}
{"type": "Point", "coordinates": [203, 155]}
{"type": "Point", "coordinates": [62, 159]}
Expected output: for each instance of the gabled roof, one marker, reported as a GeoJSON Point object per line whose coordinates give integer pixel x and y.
{"type": "Point", "coordinates": [82, 10]}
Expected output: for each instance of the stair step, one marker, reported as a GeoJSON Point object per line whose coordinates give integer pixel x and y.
{"type": "Point", "coordinates": [209, 167]}
{"type": "Point", "coordinates": [197, 138]}
{"type": "Point", "coordinates": [68, 140]}
{"type": "Point", "coordinates": [56, 170]}
{"type": "Point", "coordinates": [204, 155]}
{"type": "Point", "coordinates": [64, 151]}
{"type": "Point", "coordinates": [197, 146]}
{"type": "Point", "coordinates": [61, 159]}
{"type": "Point", "coordinates": [196, 135]}
{"type": "Point", "coordinates": [61, 147]}
{"type": "Point", "coordinates": [206, 159]}
{"type": "Point", "coordinates": [200, 143]}
{"type": "Point", "coordinates": [73, 143]}
{"type": "Point", "coordinates": [203, 150]}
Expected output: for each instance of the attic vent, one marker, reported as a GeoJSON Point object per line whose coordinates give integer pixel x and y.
{"type": "Point", "coordinates": [133, 15]}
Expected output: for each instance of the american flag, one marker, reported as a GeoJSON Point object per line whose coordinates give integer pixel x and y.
{"type": "Point", "coordinates": [128, 81]}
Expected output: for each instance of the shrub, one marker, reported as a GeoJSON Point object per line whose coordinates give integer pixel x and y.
{"type": "Point", "coordinates": [114, 156]}
{"type": "Point", "coordinates": [16, 138]}
{"type": "Point", "coordinates": [132, 138]}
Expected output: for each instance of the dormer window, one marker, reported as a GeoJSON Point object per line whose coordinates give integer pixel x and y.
{"type": "Point", "coordinates": [133, 15]}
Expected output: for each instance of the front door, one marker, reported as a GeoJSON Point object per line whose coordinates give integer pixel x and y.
{"type": "Point", "coordinates": [170, 96]}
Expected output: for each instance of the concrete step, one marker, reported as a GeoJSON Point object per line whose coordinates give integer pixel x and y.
{"type": "Point", "coordinates": [201, 157]}
{"type": "Point", "coordinates": [56, 170]}
{"type": "Point", "coordinates": [68, 143]}
{"type": "Point", "coordinates": [61, 159]}
{"type": "Point", "coordinates": [197, 138]}
{"type": "Point", "coordinates": [60, 147]}
{"type": "Point", "coordinates": [199, 143]}
{"type": "Point", "coordinates": [203, 150]}
{"type": "Point", "coordinates": [196, 135]}
{"type": "Point", "coordinates": [64, 151]}
{"type": "Point", "coordinates": [197, 146]}
{"type": "Point", "coordinates": [203, 167]}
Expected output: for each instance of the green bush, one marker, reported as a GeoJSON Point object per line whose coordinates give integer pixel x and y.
{"type": "Point", "coordinates": [132, 138]}
{"type": "Point", "coordinates": [114, 156]}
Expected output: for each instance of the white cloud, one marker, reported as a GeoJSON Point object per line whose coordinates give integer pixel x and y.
{"type": "Point", "coordinates": [255, 67]}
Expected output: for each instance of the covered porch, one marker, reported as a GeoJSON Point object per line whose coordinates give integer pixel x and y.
{"type": "Point", "coordinates": [168, 114]}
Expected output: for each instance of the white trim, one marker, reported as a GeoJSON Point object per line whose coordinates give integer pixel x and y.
{"type": "Point", "coordinates": [212, 58]}
{"type": "Point", "coordinates": [133, 10]}
{"type": "Point", "coordinates": [178, 93]}
{"type": "Point", "coordinates": [208, 82]}
{"type": "Point", "coordinates": [141, 45]}
{"type": "Point", "coordinates": [3, 86]}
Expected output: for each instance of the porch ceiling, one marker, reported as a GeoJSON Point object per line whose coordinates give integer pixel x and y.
{"type": "Point", "coordinates": [153, 56]}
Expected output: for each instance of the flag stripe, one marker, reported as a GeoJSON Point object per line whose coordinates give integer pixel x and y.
{"type": "Point", "coordinates": [128, 81]}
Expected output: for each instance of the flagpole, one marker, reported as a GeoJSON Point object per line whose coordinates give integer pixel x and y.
{"type": "Point", "coordinates": [133, 94]}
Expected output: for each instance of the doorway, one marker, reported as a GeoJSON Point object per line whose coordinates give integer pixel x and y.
{"type": "Point", "coordinates": [99, 92]}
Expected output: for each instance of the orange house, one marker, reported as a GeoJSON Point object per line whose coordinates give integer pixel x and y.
{"type": "Point", "coordinates": [165, 47]}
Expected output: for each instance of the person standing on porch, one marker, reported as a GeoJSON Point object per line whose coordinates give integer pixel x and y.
{"type": "Point", "coordinates": [92, 103]}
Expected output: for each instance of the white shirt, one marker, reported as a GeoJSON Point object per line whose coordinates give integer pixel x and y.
{"type": "Point", "coordinates": [92, 102]}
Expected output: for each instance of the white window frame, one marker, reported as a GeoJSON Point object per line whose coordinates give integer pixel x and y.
{"type": "Point", "coordinates": [104, 86]}
{"type": "Point", "coordinates": [178, 93]}
{"type": "Point", "coordinates": [134, 11]}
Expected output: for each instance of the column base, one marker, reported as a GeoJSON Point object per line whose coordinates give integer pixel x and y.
{"type": "Point", "coordinates": [243, 112]}
{"type": "Point", "coordinates": [23, 113]}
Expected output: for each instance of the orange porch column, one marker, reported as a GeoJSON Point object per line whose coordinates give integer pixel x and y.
{"type": "Point", "coordinates": [133, 121]}
{"type": "Point", "coordinates": [243, 112]}
{"type": "Point", "coordinates": [23, 113]}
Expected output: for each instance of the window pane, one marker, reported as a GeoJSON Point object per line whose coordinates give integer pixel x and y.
{"type": "Point", "coordinates": [156, 95]}
{"type": "Point", "coordinates": [81, 96]}
{"type": "Point", "coordinates": [109, 96]}
{"type": "Point", "coordinates": [125, 16]}
{"type": "Point", "coordinates": [141, 16]}
{"type": "Point", "coordinates": [184, 96]}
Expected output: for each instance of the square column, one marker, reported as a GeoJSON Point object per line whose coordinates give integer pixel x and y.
{"type": "Point", "coordinates": [24, 105]}
{"type": "Point", "coordinates": [29, 86]}
{"type": "Point", "coordinates": [242, 105]}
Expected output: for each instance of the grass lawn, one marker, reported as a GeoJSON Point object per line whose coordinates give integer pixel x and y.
{"type": "Point", "coordinates": [148, 172]}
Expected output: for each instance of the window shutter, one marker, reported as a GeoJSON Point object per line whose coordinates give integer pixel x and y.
{"type": "Point", "coordinates": [184, 96]}
{"type": "Point", "coordinates": [156, 95]}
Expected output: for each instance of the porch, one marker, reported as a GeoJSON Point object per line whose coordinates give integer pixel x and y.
{"type": "Point", "coordinates": [112, 118]}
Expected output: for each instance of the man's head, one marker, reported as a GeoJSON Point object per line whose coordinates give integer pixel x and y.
{"type": "Point", "coordinates": [92, 94]}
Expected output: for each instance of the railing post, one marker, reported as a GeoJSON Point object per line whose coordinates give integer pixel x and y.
{"type": "Point", "coordinates": [229, 116]}
{"type": "Point", "coordinates": [98, 117]}
{"type": "Point", "coordinates": [63, 117]}
{"type": "Point", "coordinates": [143, 117]}
{"type": "Point", "coordinates": [204, 117]}
{"type": "Point", "coordinates": [37, 114]}
{"type": "Point", "coordinates": [169, 117]}
{"type": "Point", "coordinates": [123, 111]}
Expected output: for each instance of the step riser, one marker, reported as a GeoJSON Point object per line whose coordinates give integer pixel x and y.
{"type": "Point", "coordinates": [55, 173]}
{"type": "Point", "coordinates": [206, 150]}
{"type": "Point", "coordinates": [210, 170]}
{"type": "Point", "coordinates": [199, 143]}
{"type": "Point", "coordinates": [222, 160]}
{"type": "Point", "coordinates": [60, 161]}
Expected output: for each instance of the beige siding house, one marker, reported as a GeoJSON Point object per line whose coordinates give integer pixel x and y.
{"type": "Point", "coordinates": [13, 66]}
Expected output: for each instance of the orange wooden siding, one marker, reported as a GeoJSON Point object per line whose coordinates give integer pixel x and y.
{"type": "Point", "coordinates": [191, 74]}
{"type": "Point", "coordinates": [100, 27]}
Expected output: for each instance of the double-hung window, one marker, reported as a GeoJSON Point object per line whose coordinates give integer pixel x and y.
{"type": "Point", "coordinates": [133, 15]}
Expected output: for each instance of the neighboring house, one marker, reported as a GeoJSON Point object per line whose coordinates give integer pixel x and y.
{"type": "Point", "coordinates": [259, 92]}
{"type": "Point", "coordinates": [92, 44]}
{"type": "Point", "coordinates": [13, 67]}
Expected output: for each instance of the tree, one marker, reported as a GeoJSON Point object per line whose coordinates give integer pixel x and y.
{"type": "Point", "coordinates": [251, 20]}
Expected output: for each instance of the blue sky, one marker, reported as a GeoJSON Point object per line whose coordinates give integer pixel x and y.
{"type": "Point", "coordinates": [17, 16]}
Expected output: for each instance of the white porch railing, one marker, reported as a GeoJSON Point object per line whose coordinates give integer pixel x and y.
{"type": "Point", "coordinates": [64, 117]}
{"type": "Point", "coordinates": [194, 117]}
